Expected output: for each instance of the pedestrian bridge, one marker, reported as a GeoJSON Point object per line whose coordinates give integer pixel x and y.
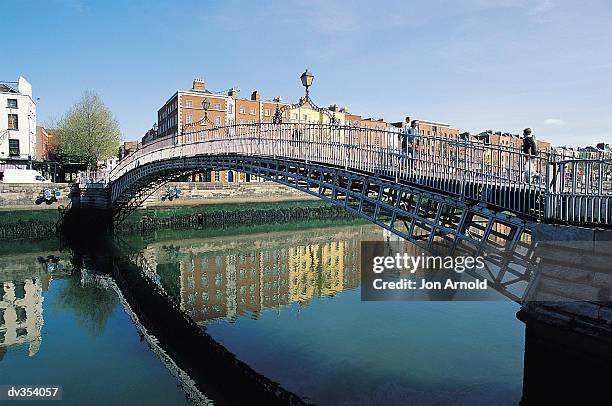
{"type": "Point", "coordinates": [457, 195]}
{"type": "Point", "coordinates": [573, 191]}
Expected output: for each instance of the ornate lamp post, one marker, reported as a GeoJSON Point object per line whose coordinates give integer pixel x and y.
{"type": "Point", "coordinates": [278, 115]}
{"type": "Point", "coordinates": [205, 106]}
{"type": "Point", "coordinates": [307, 78]}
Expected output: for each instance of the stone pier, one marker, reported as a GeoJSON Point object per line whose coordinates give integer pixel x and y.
{"type": "Point", "coordinates": [572, 285]}
{"type": "Point", "coordinates": [568, 313]}
{"type": "Point", "coordinates": [568, 316]}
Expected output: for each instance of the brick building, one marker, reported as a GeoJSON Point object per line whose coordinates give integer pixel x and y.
{"type": "Point", "coordinates": [42, 144]}
{"type": "Point", "coordinates": [185, 107]}
{"type": "Point", "coordinates": [227, 108]}
{"type": "Point", "coordinates": [127, 148]}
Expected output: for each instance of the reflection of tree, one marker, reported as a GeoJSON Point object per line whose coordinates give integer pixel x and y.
{"type": "Point", "coordinates": [169, 275]}
{"type": "Point", "coordinates": [92, 305]}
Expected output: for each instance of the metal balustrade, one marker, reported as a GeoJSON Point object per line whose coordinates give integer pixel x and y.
{"type": "Point", "coordinates": [544, 187]}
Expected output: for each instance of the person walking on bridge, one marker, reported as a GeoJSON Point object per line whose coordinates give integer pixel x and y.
{"type": "Point", "coordinates": [408, 139]}
{"type": "Point", "coordinates": [530, 148]}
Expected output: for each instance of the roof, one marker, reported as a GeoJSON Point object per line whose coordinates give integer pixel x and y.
{"type": "Point", "coordinates": [8, 87]}
{"type": "Point", "coordinates": [203, 92]}
{"type": "Point", "coordinates": [435, 123]}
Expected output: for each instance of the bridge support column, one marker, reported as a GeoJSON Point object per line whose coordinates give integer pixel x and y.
{"type": "Point", "coordinates": [568, 312]}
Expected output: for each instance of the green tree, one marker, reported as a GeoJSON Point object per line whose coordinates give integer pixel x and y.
{"type": "Point", "coordinates": [88, 132]}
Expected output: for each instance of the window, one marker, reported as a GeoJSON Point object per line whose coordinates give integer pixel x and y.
{"type": "Point", "coordinates": [189, 119]}
{"type": "Point", "coordinates": [267, 112]}
{"type": "Point", "coordinates": [20, 312]}
{"type": "Point", "coordinates": [242, 110]}
{"type": "Point", "coordinates": [217, 106]}
{"type": "Point", "coordinates": [253, 111]}
{"type": "Point", "coordinates": [217, 120]}
{"type": "Point", "coordinates": [305, 117]}
{"type": "Point", "coordinates": [20, 290]}
{"type": "Point", "coordinates": [241, 121]}
{"type": "Point", "coordinates": [11, 103]}
{"type": "Point", "coordinates": [295, 116]}
{"type": "Point", "coordinates": [13, 122]}
{"type": "Point", "coordinates": [217, 177]}
{"type": "Point", "coordinates": [13, 147]}
{"type": "Point", "coordinates": [230, 108]}
{"type": "Point", "coordinates": [188, 103]}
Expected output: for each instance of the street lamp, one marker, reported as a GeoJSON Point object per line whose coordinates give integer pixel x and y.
{"type": "Point", "coordinates": [205, 106]}
{"type": "Point", "coordinates": [307, 79]}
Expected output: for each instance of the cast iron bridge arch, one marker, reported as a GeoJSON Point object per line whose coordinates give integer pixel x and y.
{"type": "Point", "coordinates": [445, 194]}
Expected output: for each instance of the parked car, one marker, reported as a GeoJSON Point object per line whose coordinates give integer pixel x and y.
{"type": "Point", "coordinates": [23, 176]}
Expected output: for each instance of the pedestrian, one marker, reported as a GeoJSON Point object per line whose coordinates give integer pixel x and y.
{"type": "Point", "coordinates": [530, 148]}
{"type": "Point", "coordinates": [408, 139]}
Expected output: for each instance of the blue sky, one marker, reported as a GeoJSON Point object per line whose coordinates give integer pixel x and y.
{"type": "Point", "coordinates": [476, 64]}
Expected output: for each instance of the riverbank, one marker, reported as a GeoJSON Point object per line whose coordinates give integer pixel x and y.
{"type": "Point", "coordinates": [28, 224]}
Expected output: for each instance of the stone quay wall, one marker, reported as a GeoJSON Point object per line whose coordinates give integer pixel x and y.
{"type": "Point", "coordinates": [195, 193]}
{"type": "Point", "coordinates": [23, 196]}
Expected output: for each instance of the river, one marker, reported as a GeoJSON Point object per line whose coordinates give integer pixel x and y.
{"type": "Point", "coordinates": [285, 302]}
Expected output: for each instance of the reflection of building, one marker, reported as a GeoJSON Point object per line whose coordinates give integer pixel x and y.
{"type": "Point", "coordinates": [218, 285]}
{"type": "Point", "coordinates": [21, 318]}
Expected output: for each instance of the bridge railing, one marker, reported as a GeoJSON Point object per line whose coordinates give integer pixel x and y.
{"type": "Point", "coordinates": [497, 174]}
{"type": "Point", "coordinates": [580, 191]}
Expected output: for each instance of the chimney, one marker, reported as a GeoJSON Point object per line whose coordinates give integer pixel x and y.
{"type": "Point", "coordinates": [255, 95]}
{"type": "Point", "coordinates": [198, 85]}
{"type": "Point", "coordinates": [233, 92]}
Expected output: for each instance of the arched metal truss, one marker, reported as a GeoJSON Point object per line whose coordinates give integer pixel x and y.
{"type": "Point", "coordinates": [433, 221]}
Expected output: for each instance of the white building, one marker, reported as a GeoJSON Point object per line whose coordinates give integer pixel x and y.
{"type": "Point", "coordinates": [17, 122]}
